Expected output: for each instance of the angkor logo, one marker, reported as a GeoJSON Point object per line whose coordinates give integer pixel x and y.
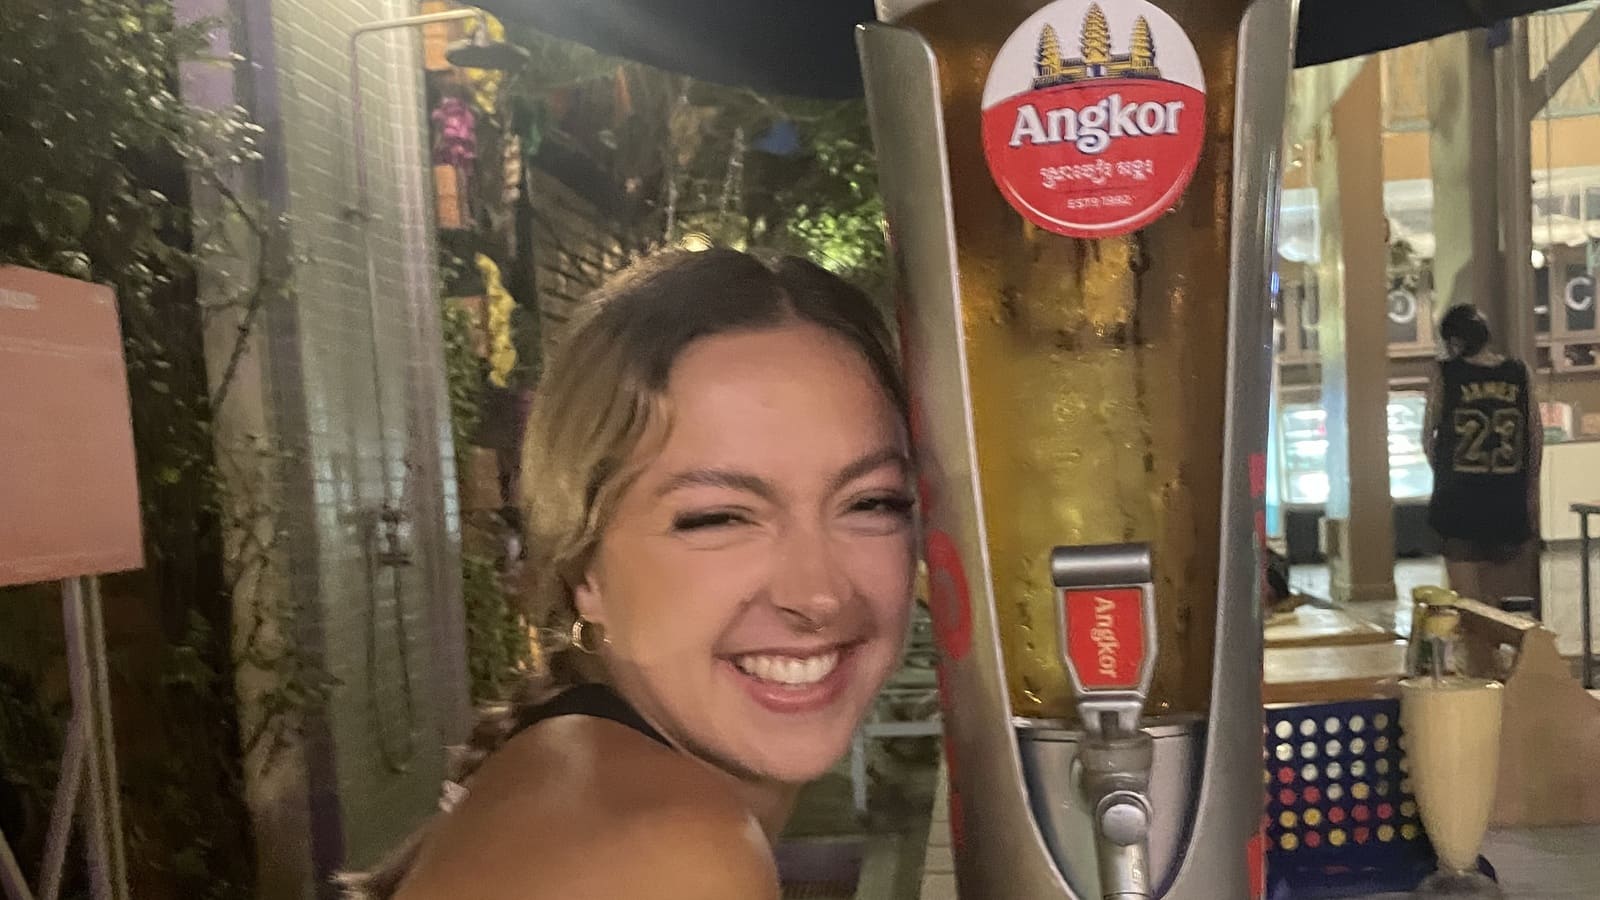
{"type": "Point", "coordinates": [1097, 60]}
{"type": "Point", "coordinates": [1104, 635]}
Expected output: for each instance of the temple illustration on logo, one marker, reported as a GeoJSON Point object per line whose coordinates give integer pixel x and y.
{"type": "Point", "coordinates": [1097, 61]}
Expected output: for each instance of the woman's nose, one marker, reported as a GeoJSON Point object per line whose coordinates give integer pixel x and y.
{"type": "Point", "coordinates": [811, 586]}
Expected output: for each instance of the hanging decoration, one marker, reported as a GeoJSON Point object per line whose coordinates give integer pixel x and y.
{"type": "Point", "coordinates": [511, 156]}
{"type": "Point", "coordinates": [498, 307]}
{"type": "Point", "coordinates": [455, 150]}
{"type": "Point", "coordinates": [486, 83]}
{"type": "Point", "coordinates": [458, 139]}
{"type": "Point", "coordinates": [732, 227]}
{"type": "Point", "coordinates": [676, 157]}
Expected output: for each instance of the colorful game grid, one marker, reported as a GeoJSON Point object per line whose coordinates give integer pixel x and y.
{"type": "Point", "coordinates": [1341, 820]}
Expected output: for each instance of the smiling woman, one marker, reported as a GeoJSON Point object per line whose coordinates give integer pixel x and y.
{"type": "Point", "coordinates": [721, 526]}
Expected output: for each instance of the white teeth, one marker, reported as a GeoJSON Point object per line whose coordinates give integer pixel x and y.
{"type": "Point", "coordinates": [788, 670]}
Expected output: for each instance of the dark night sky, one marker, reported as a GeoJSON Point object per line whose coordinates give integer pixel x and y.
{"type": "Point", "coordinates": [807, 47]}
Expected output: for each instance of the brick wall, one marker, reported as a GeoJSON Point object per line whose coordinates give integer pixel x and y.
{"type": "Point", "coordinates": [576, 246]}
{"type": "Point", "coordinates": [369, 769]}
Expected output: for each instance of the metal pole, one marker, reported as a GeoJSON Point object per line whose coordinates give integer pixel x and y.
{"type": "Point", "coordinates": [1583, 568]}
{"type": "Point", "coordinates": [62, 812]}
{"type": "Point", "coordinates": [362, 215]}
{"type": "Point", "coordinates": [85, 671]}
{"type": "Point", "coordinates": [16, 887]}
{"type": "Point", "coordinates": [101, 732]}
{"type": "Point", "coordinates": [65, 808]}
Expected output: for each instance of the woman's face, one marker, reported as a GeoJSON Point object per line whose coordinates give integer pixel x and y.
{"type": "Point", "coordinates": [755, 582]}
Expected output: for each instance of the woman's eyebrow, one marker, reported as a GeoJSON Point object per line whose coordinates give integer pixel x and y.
{"type": "Point", "coordinates": [724, 478]}
{"type": "Point", "coordinates": [737, 480]}
{"type": "Point", "coordinates": [871, 462]}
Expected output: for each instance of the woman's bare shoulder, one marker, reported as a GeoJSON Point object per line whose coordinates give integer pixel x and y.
{"type": "Point", "coordinates": [582, 808]}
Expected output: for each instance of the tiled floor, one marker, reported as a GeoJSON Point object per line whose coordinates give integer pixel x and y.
{"type": "Point", "coordinates": [1547, 863]}
{"type": "Point", "coordinates": [938, 867]}
{"type": "Point", "coordinates": [1541, 864]}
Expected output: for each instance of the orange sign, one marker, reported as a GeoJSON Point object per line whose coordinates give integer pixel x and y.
{"type": "Point", "coordinates": [69, 496]}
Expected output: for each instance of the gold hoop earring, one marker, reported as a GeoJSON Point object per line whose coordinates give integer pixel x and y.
{"type": "Point", "coordinates": [586, 636]}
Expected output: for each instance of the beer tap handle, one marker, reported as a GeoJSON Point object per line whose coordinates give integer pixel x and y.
{"type": "Point", "coordinates": [1107, 626]}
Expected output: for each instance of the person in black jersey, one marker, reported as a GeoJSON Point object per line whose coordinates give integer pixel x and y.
{"type": "Point", "coordinates": [717, 474]}
{"type": "Point", "coordinates": [1484, 439]}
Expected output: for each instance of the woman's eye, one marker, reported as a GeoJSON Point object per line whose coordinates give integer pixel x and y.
{"type": "Point", "coordinates": [896, 505]}
{"type": "Point", "coordinates": [705, 521]}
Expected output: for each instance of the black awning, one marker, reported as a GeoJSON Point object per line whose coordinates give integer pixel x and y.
{"type": "Point", "coordinates": [1340, 29]}
{"type": "Point", "coordinates": [807, 48]}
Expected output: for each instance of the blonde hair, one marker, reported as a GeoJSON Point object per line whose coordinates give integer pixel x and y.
{"type": "Point", "coordinates": [601, 397]}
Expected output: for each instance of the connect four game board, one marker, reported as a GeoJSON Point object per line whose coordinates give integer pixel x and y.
{"type": "Point", "coordinates": [1340, 816]}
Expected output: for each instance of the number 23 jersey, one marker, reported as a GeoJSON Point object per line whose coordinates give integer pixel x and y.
{"type": "Point", "coordinates": [1480, 468]}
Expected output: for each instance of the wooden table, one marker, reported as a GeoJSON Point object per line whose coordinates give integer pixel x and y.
{"type": "Point", "coordinates": [1331, 674]}
{"type": "Point", "coordinates": [1321, 626]}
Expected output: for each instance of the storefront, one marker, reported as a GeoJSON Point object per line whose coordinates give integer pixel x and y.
{"type": "Point", "coordinates": [1565, 237]}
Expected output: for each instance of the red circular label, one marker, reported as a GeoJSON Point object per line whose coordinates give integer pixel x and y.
{"type": "Point", "coordinates": [1094, 118]}
{"type": "Point", "coordinates": [949, 604]}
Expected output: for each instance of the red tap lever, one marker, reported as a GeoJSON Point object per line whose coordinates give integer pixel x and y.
{"type": "Point", "coordinates": [1108, 635]}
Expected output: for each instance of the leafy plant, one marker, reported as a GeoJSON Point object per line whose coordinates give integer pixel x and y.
{"type": "Point", "coordinates": [497, 638]}
{"type": "Point", "coordinates": [700, 146]}
{"type": "Point", "coordinates": [99, 152]}
{"type": "Point", "coordinates": [837, 212]}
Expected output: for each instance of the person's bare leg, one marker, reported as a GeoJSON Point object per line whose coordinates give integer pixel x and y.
{"type": "Point", "coordinates": [1517, 576]}
{"type": "Point", "coordinates": [1496, 581]}
{"type": "Point", "coordinates": [1463, 577]}
{"type": "Point", "coordinates": [1532, 571]}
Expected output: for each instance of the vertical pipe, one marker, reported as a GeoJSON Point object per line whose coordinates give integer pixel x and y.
{"type": "Point", "coordinates": [80, 678]}
{"type": "Point", "coordinates": [1583, 568]}
{"type": "Point", "coordinates": [1514, 114]}
{"type": "Point", "coordinates": [65, 807]}
{"type": "Point", "coordinates": [363, 219]}
{"type": "Point", "coordinates": [101, 733]}
{"type": "Point", "coordinates": [1516, 192]}
{"type": "Point", "coordinates": [11, 880]}
{"type": "Point", "coordinates": [386, 525]}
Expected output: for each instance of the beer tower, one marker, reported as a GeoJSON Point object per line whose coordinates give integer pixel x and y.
{"type": "Point", "coordinates": [1081, 201]}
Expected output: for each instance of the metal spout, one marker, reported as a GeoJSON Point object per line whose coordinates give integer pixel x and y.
{"type": "Point", "coordinates": [1116, 782]}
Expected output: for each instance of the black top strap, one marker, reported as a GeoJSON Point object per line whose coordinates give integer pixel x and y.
{"type": "Point", "coordinates": [595, 700]}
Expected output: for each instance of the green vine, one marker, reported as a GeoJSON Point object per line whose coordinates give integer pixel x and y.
{"type": "Point", "coordinates": [837, 218]}
{"type": "Point", "coordinates": [100, 152]}
{"type": "Point", "coordinates": [497, 641]}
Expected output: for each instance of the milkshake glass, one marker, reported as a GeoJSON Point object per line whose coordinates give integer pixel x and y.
{"type": "Point", "coordinates": [1452, 734]}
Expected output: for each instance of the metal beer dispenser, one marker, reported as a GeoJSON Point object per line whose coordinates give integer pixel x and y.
{"type": "Point", "coordinates": [1081, 197]}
